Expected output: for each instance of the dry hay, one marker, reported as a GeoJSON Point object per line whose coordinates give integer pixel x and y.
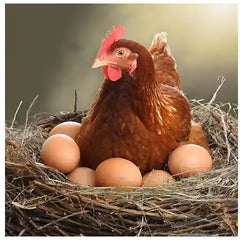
{"type": "Point", "coordinates": [40, 201]}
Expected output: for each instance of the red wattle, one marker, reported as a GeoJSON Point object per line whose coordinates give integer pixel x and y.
{"type": "Point", "coordinates": [112, 73]}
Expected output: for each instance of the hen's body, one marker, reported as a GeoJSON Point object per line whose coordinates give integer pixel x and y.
{"type": "Point", "coordinates": [139, 117]}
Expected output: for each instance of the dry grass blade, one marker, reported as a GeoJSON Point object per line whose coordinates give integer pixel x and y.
{"type": "Point", "coordinates": [221, 82]}
{"type": "Point", "coordinates": [15, 114]}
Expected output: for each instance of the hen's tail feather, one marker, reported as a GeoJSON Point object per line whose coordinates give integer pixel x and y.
{"type": "Point", "coordinates": [160, 42]}
{"type": "Point", "coordinates": [164, 62]}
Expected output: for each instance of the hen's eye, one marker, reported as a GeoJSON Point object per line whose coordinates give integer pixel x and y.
{"type": "Point", "coordinates": [120, 53]}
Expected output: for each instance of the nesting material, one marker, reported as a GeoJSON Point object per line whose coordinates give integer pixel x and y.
{"type": "Point", "coordinates": [40, 201]}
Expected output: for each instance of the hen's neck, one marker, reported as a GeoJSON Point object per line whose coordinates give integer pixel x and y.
{"type": "Point", "coordinates": [143, 82]}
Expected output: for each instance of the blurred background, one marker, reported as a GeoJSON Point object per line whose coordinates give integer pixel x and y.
{"type": "Point", "coordinates": [50, 49]}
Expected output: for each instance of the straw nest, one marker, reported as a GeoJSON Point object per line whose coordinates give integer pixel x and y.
{"type": "Point", "coordinates": [40, 201]}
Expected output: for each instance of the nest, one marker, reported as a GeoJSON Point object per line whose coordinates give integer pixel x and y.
{"type": "Point", "coordinates": [40, 201]}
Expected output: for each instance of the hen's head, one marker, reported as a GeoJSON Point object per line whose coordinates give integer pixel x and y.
{"type": "Point", "coordinates": [116, 54]}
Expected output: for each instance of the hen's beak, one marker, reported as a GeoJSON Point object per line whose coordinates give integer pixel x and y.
{"type": "Point", "coordinates": [97, 63]}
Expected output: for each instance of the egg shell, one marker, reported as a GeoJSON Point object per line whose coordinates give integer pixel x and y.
{"type": "Point", "coordinates": [118, 172]}
{"type": "Point", "coordinates": [61, 152]}
{"type": "Point", "coordinates": [188, 160]}
{"type": "Point", "coordinates": [83, 176]}
{"type": "Point", "coordinates": [157, 178]}
{"type": "Point", "coordinates": [69, 128]}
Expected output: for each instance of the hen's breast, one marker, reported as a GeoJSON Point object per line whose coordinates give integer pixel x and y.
{"type": "Point", "coordinates": [122, 134]}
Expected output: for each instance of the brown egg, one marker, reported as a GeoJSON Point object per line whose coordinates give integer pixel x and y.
{"type": "Point", "coordinates": [61, 152]}
{"type": "Point", "coordinates": [188, 160]}
{"type": "Point", "coordinates": [118, 172]}
{"type": "Point", "coordinates": [69, 128]}
{"type": "Point", "coordinates": [157, 178]}
{"type": "Point", "coordinates": [83, 176]}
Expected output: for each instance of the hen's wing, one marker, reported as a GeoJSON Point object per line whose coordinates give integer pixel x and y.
{"type": "Point", "coordinates": [164, 62]}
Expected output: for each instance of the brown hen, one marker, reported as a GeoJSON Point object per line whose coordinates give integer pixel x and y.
{"type": "Point", "coordinates": [140, 112]}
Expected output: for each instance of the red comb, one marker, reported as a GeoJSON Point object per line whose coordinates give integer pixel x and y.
{"type": "Point", "coordinates": [110, 39]}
